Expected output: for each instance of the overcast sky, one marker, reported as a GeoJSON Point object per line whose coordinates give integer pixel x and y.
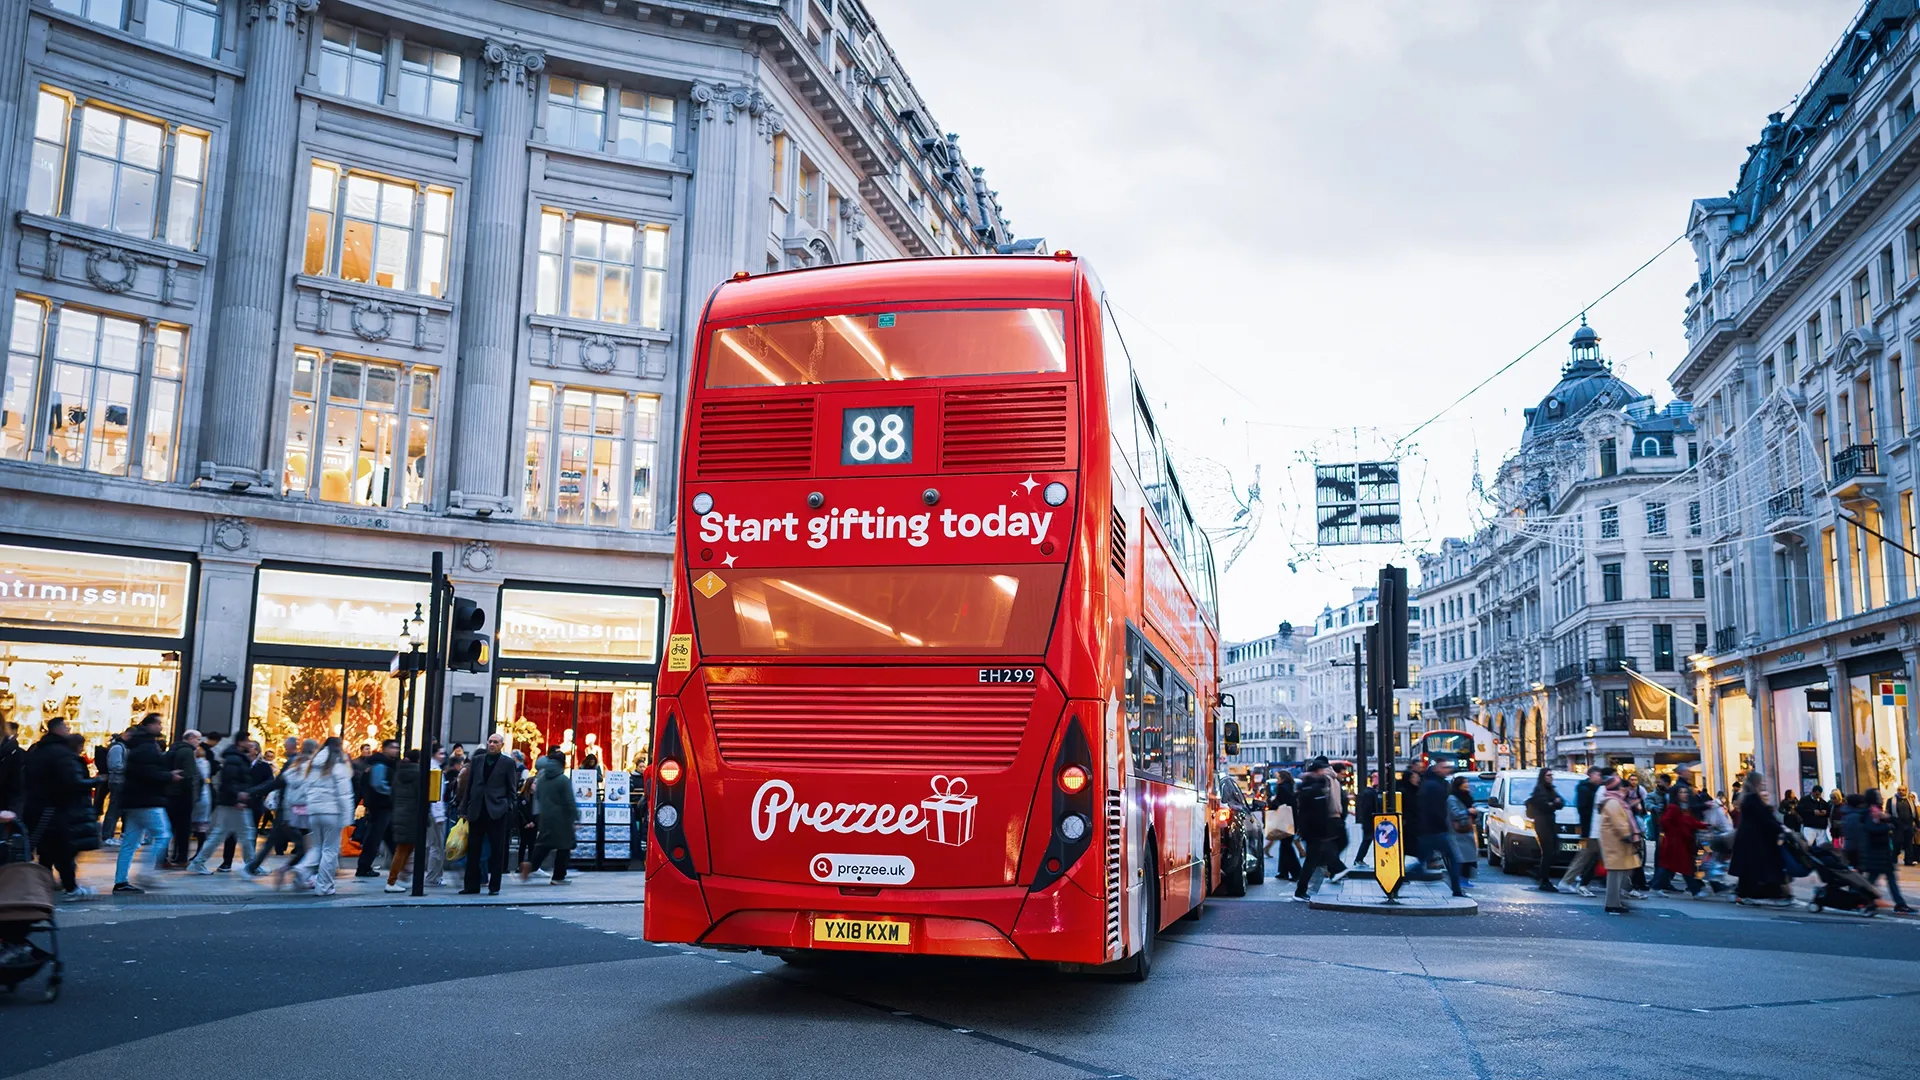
{"type": "Point", "coordinates": [1325, 219]}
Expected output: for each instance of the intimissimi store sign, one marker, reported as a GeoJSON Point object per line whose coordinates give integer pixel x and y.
{"type": "Point", "coordinates": [50, 589]}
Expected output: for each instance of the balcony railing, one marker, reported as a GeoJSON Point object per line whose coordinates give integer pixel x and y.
{"type": "Point", "coordinates": [1566, 674]}
{"type": "Point", "coordinates": [1862, 459]}
{"type": "Point", "coordinates": [1726, 639]}
{"type": "Point", "coordinates": [1789, 503]}
{"type": "Point", "coordinates": [1611, 665]}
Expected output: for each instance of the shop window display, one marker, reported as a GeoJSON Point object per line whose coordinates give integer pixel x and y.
{"type": "Point", "coordinates": [320, 702]}
{"type": "Point", "coordinates": [99, 691]}
{"type": "Point", "coordinates": [1879, 711]}
{"type": "Point", "coordinates": [612, 721]}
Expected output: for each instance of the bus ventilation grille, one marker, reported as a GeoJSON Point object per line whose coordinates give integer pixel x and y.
{"type": "Point", "coordinates": [1005, 429]}
{"type": "Point", "coordinates": [754, 440]}
{"type": "Point", "coordinates": [1116, 835]}
{"type": "Point", "coordinates": [1117, 543]}
{"type": "Point", "coordinates": [870, 728]}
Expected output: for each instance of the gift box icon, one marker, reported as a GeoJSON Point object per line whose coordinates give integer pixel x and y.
{"type": "Point", "coordinates": [950, 811]}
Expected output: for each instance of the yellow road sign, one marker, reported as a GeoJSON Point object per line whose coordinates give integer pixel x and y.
{"type": "Point", "coordinates": [1389, 861]}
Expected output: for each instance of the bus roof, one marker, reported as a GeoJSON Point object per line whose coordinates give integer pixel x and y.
{"type": "Point", "coordinates": [898, 281]}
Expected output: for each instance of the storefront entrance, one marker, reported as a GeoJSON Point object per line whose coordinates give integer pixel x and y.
{"type": "Point", "coordinates": [577, 669]}
{"type": "Point", "coordinates": [94, 637]}
{"type": "Point", "coordinates": [321, 650]}
{"type": "Point", "coordinates": [1806, 752]}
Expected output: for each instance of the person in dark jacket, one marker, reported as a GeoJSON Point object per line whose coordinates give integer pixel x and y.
{"type": "Point", "coordinates": [183, 761]}
{"type": "Point", "coordinates": [149, 777]}
{"type": "Point", "coordinates": [1756, 848]}
{"type": "Point", "coordinates": [488, 797]}
{"type": "Point", "coordinates": [13, 761]}
{"type": "Point", "coordinates": [1790, 811]}
{"type": "Point", "coordinates": [556, 814]}
{"type": "Point", "coordinates": [58, 800]}
{"type": "Point", "coordinates": [232, 788]}
{"type": "Point", "coordinates": [378, 799]}
{"type": "Point", "coordinates": [405, 817]}
{"type": "Point", "coordinates": [1543, 806]}
{"type": "Point", "coordinates": [1580, 872]}
{"type": "Point", "coordinates": [1320, 826]}
{"type": "Point", "coordinates": [1903, 814]}
{"type": "Point", "coordinates": [1433, 825]}
{"type": "Point", "coordinates": [1870, 844]}
{"type": "Point", "coordinates": [1280, 793]}
{"type": "Point", "coordinates": [1813, 816]}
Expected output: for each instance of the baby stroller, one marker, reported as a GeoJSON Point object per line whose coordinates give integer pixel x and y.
{"type": "Point", "coordinates": [1841, 888]}
{"type": "Point", "coordinates": [26, 912]}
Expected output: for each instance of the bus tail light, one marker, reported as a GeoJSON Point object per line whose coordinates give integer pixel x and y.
{"type": "Point", "coordinates": [1073, 779]}
{"type": "Point", "coordinates": [670, 796]}
{"type": "Point", "coordinates": [1071, 833]}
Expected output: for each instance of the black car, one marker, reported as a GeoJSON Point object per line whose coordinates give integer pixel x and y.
{"type": "Point", "coordinates": [1242, 841]}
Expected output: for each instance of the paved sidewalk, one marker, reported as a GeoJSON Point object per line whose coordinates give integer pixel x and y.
{"type": "Point", "coordinates": [181, 888]}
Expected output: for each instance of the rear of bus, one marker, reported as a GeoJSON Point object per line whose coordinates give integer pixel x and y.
{"type": "Point", "coordinates": [886, 603]}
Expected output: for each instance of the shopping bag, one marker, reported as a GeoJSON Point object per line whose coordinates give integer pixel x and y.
{"type": "Point", "coordinates": [457, 841]}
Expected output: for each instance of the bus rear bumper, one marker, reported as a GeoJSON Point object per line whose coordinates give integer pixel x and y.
{"type": "Point", "coordinates": [759, 914]}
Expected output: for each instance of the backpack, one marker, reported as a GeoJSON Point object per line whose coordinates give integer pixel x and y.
{"type": "Point", "coordinates": [362, 786]}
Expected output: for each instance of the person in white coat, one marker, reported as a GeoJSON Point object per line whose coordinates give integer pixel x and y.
{"type": "Point", "coordinates": [326, 784]}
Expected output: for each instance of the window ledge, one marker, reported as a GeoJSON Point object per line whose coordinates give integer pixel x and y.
{"type": "Point", "coordinates": [670, 168]}
{"type": "Point", "coordinates": [363, 290]}
{"type": "Point", "coordinates": [382, 112]}
{"type": "Point", "coordinates": [625, 331]}
{"type": "Point", "coordinates": [157, 250]}
{"type": "Point", "coordinates": [121, 36]}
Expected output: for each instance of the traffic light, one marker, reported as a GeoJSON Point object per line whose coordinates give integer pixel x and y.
{"type": "Point", "coordinates": [467, 648]}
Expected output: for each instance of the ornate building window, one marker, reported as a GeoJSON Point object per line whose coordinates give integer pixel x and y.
{"type": "Point", "coordinates": [646, 127]}
{"type": "Point", "coordinates": [116, 170]}
{"type": "Point", "coordinates": [590, 457]}
{"type": "Point", "coordinates": [107, 387]}
{"type": "Point", "coordinates": [588, 266]}
{"type": "Point", "coordinates": [353, 63]}
{"type": "Point", "coordinates": [429, 82]}
{"type": "Point", "coordinates": [191, 26]}
{"type": "Point", "coordinates": [378, 230]}
{"type": "Point", "coordinates": [576, 113]}
{"type": "Point", "coordinates": [187, 25]}
{"type": "Point", "coordinates": [359, 432]}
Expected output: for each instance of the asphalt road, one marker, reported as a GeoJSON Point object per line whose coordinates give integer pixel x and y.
{"type": "Point", "coordinates": [1529, 988]}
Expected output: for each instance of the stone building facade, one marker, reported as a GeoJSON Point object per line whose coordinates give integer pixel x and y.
{"type": "Point", "coordinates": [1330, 724]}
{"type": "Point", "coordinates": [305, 291]}
{"type": "Point", "coordinates": [1803, 330]}
{"type": "Point", "coordinates": [1267, 677]}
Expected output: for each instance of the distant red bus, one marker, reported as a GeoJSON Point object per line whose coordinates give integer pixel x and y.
{"type": "Point", "coordinates": [941, 673]}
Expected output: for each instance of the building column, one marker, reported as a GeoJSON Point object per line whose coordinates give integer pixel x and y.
{"type": "Point", "coordinates": [490, 298]}
{"type": "Point", "coordinates": [1841, 702]}
{"type": "Point", "coordinates": [1910, 768]}
{"type": "Point", "coordinates": [251, 279]}
{"type": "Point", "coordinates": [224, 630]}
{"type": "Point", "coordinates": [14, 92]}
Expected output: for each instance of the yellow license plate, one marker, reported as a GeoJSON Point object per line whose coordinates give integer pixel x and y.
{"type": "Point", "coordinates": [862, 932]}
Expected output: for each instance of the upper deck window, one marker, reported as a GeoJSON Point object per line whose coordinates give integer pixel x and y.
{"type": "Point", "coordinates": [890, 345]}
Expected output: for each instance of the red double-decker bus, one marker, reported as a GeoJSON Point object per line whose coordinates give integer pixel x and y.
{"type": "Point", "coordinates": [941, 675]}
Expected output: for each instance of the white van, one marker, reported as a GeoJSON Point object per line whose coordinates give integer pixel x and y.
{"type": "Point", "coordinates": [1510, 840]}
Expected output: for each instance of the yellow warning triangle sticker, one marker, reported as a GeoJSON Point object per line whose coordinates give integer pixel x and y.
{"type": "Point", "coordinates": [709, 583]}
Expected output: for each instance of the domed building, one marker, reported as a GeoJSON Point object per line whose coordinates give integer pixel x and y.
{"type": "Point", "coordinates": [1563, 626]}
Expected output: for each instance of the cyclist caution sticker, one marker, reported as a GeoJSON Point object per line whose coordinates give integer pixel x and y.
{"type": "Point", "coordinates": [680, 651]}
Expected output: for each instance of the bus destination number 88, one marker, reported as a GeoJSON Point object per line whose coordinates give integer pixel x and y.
{"type": "Point", "coordinates": [881, 436]}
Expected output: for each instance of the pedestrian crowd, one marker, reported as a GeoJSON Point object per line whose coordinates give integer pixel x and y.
{"type": "Point", "coordinates": [1703, 844]}
{"type": "Point", "coordinates": [203, 798]}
